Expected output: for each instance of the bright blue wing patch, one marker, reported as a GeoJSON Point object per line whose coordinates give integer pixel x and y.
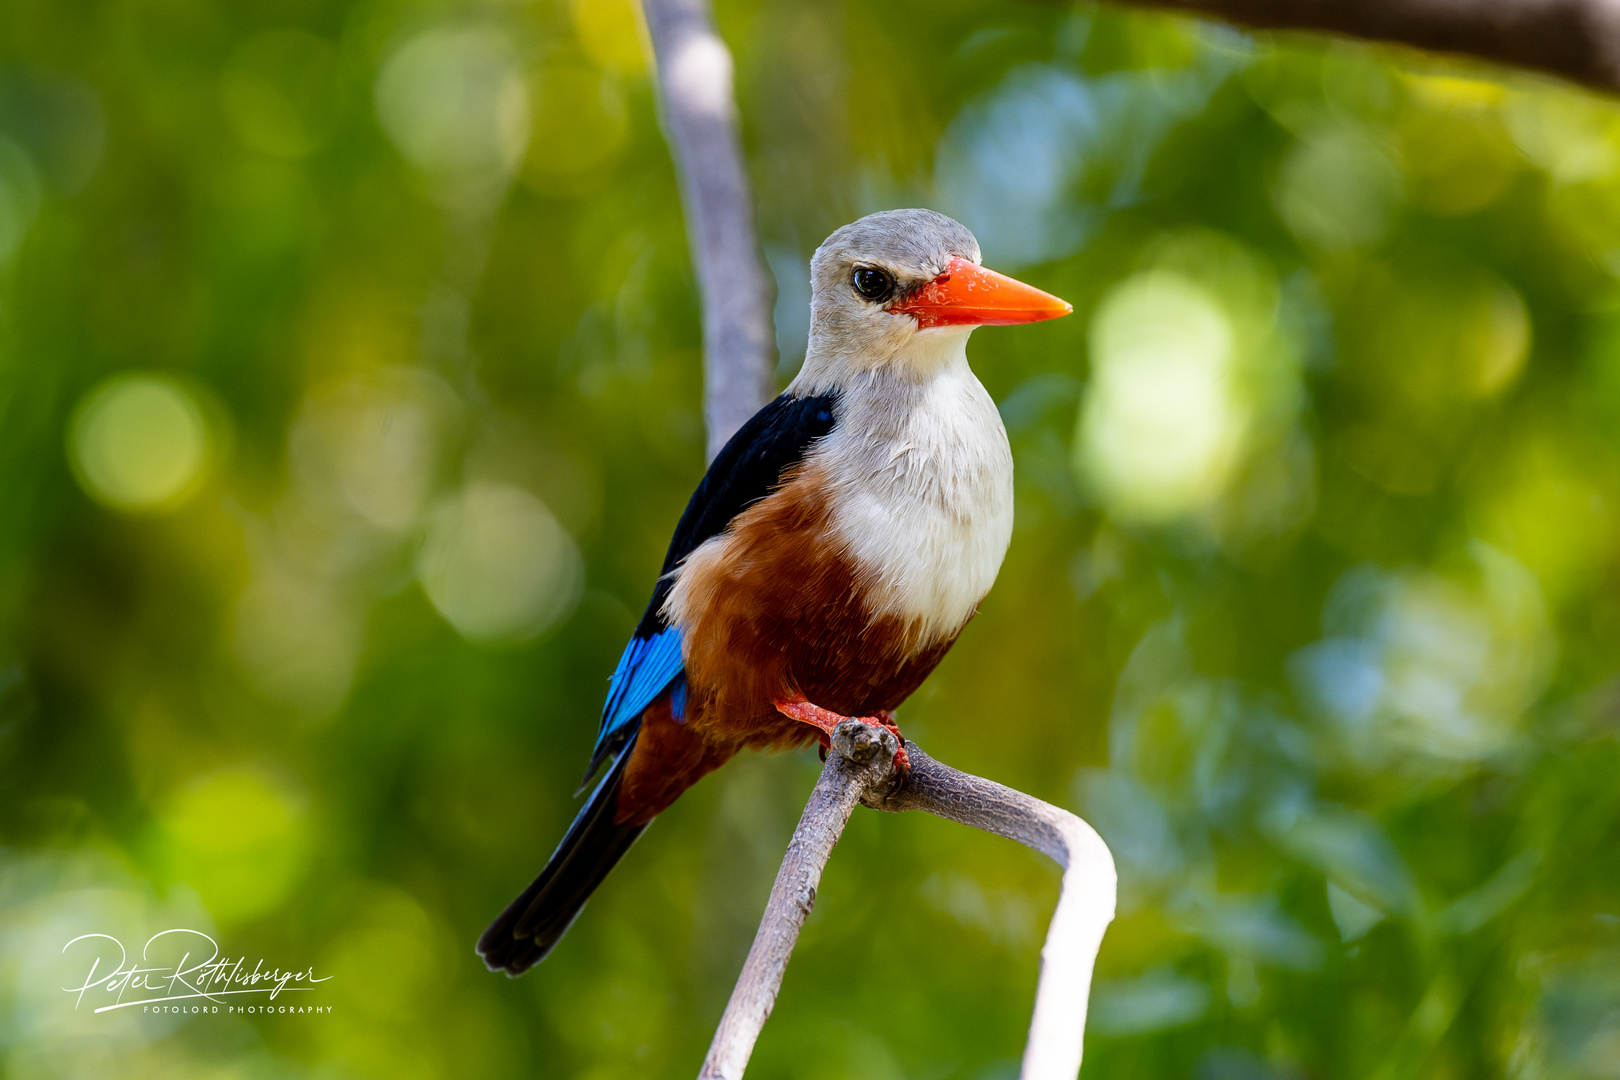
{"type": "Point", "coordinates": [645, 671]}
{"type": "Point", "coordinates": [747, 469]}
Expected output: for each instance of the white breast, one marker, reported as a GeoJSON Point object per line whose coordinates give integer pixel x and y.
{"type": "Point", "coordinates": [922, 494]}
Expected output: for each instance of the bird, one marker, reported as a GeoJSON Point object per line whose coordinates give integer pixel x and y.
{"type": "Point", "coordinates": [834, 550]}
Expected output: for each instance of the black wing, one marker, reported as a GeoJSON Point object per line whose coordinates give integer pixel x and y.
{"type": "Point", "coordinates": [747, 469]}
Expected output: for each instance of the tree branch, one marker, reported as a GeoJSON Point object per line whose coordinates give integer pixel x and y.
{"type": "Point", "coordinates": [1085, 906]}
{"type": "Point", "coordinates": [860, 768]}
{"type": "Point", "coordinates": [862, 757]}
{"type": "Point", "coordinates": [1576, 39]}
{"type": "Point", "coordinates": [700, 122]}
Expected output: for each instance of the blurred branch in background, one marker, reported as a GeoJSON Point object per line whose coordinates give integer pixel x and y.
{"type": "Point", "coordinates": [1577, 39]}
{"type": "Point", "coordinates": [695, 79]}
{"type": "Point", "coordinates": [700, 120]}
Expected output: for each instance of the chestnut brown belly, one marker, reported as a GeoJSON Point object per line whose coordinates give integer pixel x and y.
{"type": "Point", "coordinates": [772, 610]}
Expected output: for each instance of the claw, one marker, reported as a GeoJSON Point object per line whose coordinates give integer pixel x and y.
{"type": "Point", "coordinates": [902, 760]}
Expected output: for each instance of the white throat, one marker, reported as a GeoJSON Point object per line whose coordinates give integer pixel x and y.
{"type": "Point", "coordinates": [921, 482]}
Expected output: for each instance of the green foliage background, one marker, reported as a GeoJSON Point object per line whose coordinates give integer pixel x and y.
{"type": "Point", "coordinates": [1311, 604]}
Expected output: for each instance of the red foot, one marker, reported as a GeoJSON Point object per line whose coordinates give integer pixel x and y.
{"type": "Point", "coordinates": [902, 761]}
{"type": "Point", "coordinates": [826, 721]}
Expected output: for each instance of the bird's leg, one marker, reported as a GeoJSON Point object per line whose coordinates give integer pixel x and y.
{"type": "Point", "coordinates": [826, 721]}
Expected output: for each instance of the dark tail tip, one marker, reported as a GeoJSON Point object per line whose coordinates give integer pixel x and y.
{"type": "Point", "coordinates": [530, 927]}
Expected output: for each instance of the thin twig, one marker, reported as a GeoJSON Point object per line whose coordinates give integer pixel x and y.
{"type": "Point", "coordinates": [700, 122]}
{"type": "Point", "coordinates": [860, 769]}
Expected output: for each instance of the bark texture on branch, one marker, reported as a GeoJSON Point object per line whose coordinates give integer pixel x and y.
{"type": "Point", "coordinates": [860, 769]}
{"type": "Point", "coordinates": [1577, 39]}
{"type": "Point", "coordinates": [700, 122]}
{"type": "Point", "coordinates": [861, 759]}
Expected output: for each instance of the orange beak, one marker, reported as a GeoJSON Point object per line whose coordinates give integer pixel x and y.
{"type": "Point", "coordinates": [967, 294]}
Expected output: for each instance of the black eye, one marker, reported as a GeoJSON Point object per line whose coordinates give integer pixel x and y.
{"type": "Point", "coordinates": [872, 283]}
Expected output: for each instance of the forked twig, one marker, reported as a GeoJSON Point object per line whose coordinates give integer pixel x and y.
{"type": "Point", "coordinates": [860, 769]}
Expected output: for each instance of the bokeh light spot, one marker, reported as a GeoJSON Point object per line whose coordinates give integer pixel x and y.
{"type": "Point", "coordinates": [580, 120]}
{"type": "Point", "coordinates": [497, 565]}
{"type": "Point", "coordinates": [1454, 91]}
{"type": "Point", "coordinates": [1568, 133]}
{"type": "Point", "coordinates": [454, 102]}
{"type": "Point", "coordinates": [611, 33]}
{"type": "Point", "coordinates": [1551, 504]}
{"type": "Point", "coordinates": [48, 899]}
{"type": "Point", "coordinates": [1500, 341]}
{"type": "Point", "coordinates": [139, 443]}
{"type": "Point", "coordinates": [1436, 332]}
{"type": "Point", "coordinates": [239, 839]}
{"type": "Point", "coordinates": [1423, 668]}
{"type": "Point", "coordinates": [1160, 425]}
{"type": "Point", "coordinates": [1009, 159]}
{"type": "Point", "coordinates": [1156, 1001]}
{"type": "Point", "coordinates": [1351, 915]}
{"type": "Point", "coordinates": [391, 933]}
{"type": "Point", "coordinates": [373, 445]}
{"type": "Point", "coordinates": [297, 640]}
{"type": "Point", "coordinates": [1338, 190]}
{"type": "Point", "coordinates": [19, 197]}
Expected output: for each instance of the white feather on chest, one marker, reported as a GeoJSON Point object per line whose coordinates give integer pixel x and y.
{"type": "Point", "coordinates": [921, 485]}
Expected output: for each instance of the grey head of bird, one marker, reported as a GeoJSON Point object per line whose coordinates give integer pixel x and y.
{"type": "Point", "coordinates": [899, 291]}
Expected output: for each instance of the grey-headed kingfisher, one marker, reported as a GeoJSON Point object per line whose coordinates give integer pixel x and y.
{"type": "Point", "coordinates": [829, 558]}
